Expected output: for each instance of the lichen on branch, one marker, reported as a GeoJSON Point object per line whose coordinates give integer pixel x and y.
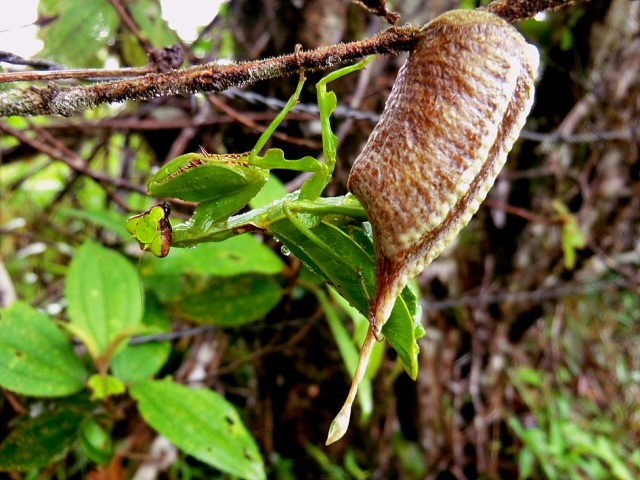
{"type": "Point", "coordinates": [54, 99]}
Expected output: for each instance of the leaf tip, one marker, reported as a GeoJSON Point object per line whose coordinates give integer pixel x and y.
{"type": "Point", "coordinates": [339, 425]}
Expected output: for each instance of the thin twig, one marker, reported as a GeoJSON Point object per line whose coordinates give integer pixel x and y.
{"type": "Point", "coordinates": [39, 63]}
{"type": "Point", "coordinates": [78, 73]}
{"type": "Point", "coordinates": [56, 100]}
{"type": "Point", "coordinates": [69, 157]}
{"type": "Point", "coordinates": [540, 295]}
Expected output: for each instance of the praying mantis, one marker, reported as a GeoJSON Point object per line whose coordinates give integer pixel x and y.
{"type": "Point", "coordinates": [330, 236]}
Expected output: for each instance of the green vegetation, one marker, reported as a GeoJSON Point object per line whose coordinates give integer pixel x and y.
{"type": "Point", "coordinates": [230, 360]}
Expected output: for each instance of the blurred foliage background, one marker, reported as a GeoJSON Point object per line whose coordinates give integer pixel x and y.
{"type": "Point", "coordinates": [530, 365]}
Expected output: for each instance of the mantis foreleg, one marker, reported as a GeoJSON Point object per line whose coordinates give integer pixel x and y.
{"type": "Point", "coordinates": [327, 104]}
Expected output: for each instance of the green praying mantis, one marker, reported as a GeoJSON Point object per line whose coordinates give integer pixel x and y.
{"type": "Point", "coordinates": [330, 236]}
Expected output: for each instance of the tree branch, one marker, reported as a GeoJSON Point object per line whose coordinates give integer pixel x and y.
{"type": "Point", "coordinates": [49, 145]}
{"type": "Point", "coordinates": [57, 100]}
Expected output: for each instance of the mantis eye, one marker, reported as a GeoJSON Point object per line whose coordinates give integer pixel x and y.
{"type": "Point", "coordinates": [152, 230]}
{"type": "Point", "coordinates": [167, 210]}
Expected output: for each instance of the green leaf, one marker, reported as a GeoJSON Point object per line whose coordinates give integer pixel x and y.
{"type": "Point", "coordinates": [526, 463]}
{"type": "Point", "coordinates": [343, 256]}
{"type": "Point", "coordinates": [605, 449]}
{"type": "Point", "coordinates": [527, 376]}
{"type": "Point", "coordinates": [228, 302]}
{"type": "Point", "coordinates": [104, 386]}
{"type": "Point", "coordinates": [148, 16]}
{"type": "Point", "coordinates": [273, 190]}
{"type": "Point", "coordinates": [36, 358]}
{"type": "Point", "coordinates": [202, 424]}
{"type": "Point", "coordinates": [78, 32]}
{"type": "Point", "coordinates": [137, 362]}
{"type": "Point", "coordinates": [571, 237]}
{"type": "Point", "coordinates": [234, 256]}
{"type": "Point", "coordinates": [103, 294]}
{"type": "Point", "coordinates": [39, 441]}
{"type": "Point", "coordinates": [225, 283]}
{"type": "Point", "coordinates": [95, 442]}
{"type": "Point", "coordinates": [329, 469]}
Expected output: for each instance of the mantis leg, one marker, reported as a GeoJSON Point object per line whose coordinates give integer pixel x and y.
{"type": "Point", "coordinates": [327, 104]}
{"type": "Point", "coordinates": [235, 179]}
{"type": "Point", "coordinates": [274, 158]}
{"type": "Point", "coordinates": [264, 138]}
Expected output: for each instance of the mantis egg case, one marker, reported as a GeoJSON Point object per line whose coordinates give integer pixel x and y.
{"type": "Point", "coordinates": [453, 114]}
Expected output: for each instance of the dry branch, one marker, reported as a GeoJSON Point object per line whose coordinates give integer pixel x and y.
{"type": "Point", "coordinates": [62, 100]}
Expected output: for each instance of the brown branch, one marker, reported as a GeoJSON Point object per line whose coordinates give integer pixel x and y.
{"type": "Point", "coordinates": [78, 73]}
{"type": "Point", "coordinates": [65, 101]}
{"type": "Point", "coordinates": [60, 152]}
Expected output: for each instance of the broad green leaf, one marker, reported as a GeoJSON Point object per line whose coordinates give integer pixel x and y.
{"type": "Point", "coordinates": [36, 358]}
{"type": "Point", "coordinates": [272, 191]}
{"type": "Point", "coordinates": [103, 293]}
{"type": "Point", "coordinates": [95, 441]}
{"type": "Point", "coordinates": [235, 256]}
{"type": "Point", "coordinates": [227, 283]}
{"type": "Point", "coordinates": [103, 386]}
{"type": "Point", "coordinates": [78, 32]}
{"type": "Point", "coordinates": [148, 16]}
{"type": "Point", "coordinates": [132, 52]}
{"type": "Point", "coordinates": [39, 441]}
{"type": "Point", "coordinates": [137, 362]}
{"type": "Point", "coordinates": [343, 256]}
{"type": "Point", "coordinates": [201, 423]}
{"type": "Point", "coordinates": [228, 301]}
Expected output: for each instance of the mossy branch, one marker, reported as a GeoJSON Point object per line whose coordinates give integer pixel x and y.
{"type": "Point", "coordinates": [54, 99]}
